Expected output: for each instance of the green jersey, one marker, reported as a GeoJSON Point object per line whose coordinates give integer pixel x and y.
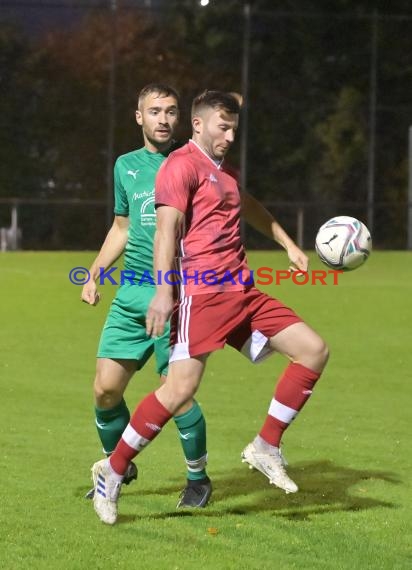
{"type": "Point", "coordinates": [134, 181]}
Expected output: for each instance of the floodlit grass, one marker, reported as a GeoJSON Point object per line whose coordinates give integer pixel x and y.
{"type": "Point", "coordinates": [349, 451]}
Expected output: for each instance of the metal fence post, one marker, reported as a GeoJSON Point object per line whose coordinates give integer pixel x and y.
{"type": "Point", "coordinates": [409, 205]}
{"type": "Point", "coordinates": [372, 121]}
{"type": "Point", "coordinates": [300, 221]}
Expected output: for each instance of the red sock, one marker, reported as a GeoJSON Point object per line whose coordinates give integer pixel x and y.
{"type": "Point", "coordinates": [292, 391]}
{"type": "Point", "coordinates": [145, 424]}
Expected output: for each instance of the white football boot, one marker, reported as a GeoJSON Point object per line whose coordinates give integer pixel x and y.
{"type": "Point", "coordinates": [106, 491]}
{"type": "Point", "coordinates": [272, 465]}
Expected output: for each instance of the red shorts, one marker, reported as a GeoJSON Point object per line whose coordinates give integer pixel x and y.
{"type": "Point", "coordinates": [245, 320]}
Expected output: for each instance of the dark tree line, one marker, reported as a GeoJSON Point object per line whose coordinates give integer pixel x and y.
{"type": "Point", "coordinates": [309, 101]}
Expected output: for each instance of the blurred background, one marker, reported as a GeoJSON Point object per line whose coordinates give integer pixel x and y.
{"type": "Point", "coordinates": [325, 129]}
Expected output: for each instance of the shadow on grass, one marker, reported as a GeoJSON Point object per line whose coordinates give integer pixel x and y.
{"type": "Point", "coordinates": [324, 488]}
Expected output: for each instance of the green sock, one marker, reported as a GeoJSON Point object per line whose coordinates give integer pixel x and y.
{"type": "Point", "coordinates": [192, 431]}
{"type": "Point", "coordinates": [111, 424]}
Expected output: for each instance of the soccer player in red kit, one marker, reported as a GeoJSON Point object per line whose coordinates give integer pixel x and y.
{"type": "Point", "coordinates": [198, 207]}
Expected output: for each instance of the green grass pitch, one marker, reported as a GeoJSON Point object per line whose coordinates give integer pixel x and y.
{"type": "Point", "coordinates": [349, 450]}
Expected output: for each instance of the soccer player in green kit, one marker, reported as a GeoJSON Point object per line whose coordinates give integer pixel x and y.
{"type": "Point", "coordinates": [124, 345]}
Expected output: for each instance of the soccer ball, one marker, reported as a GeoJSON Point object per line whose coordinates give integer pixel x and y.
{"type": "Point", "coordinates": [343, 242]}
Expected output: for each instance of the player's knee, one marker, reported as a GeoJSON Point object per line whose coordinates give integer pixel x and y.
{"type": "Point", "coordinates": [184, 392]}
{"type": "Point", "coordinates": [174, 395]}
{"type": "Point", "coordinates": [105, 391]}
{"type": "Point", "coordinates": [320, 353]}
{"type": "Point", "coordinates": [324, 352]}
{"type": "Point", "coordinates": [314, 354]}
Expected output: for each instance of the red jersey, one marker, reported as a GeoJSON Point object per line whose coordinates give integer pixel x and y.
{"type": "Point", "coordinates": [211, 255]}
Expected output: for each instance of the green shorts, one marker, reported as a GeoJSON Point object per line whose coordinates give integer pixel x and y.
{"type": "Point", "coordinates": [124, 332]}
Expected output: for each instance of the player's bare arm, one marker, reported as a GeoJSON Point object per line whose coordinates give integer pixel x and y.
{"type": "Point", "coordinates": [112, 248]}
{"type": "Point", "coordinates": [262, 220]}
{"type": "Point", "coordinates": [168, 223]}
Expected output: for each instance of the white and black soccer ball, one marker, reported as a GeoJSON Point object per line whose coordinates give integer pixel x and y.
{"type": "Point", "coordinates": [344, 243]}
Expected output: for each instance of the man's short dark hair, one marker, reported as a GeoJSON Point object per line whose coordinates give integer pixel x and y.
{"type": "Point", "coordinates": [160, 89]}
{"type": "Point", "coordinates": [218, 100]}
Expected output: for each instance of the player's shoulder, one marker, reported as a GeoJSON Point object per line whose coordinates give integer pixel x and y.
{"type": "Point", "coordinates": [125, 159]}
{"type": "Point", "coordinates": [180, 158]}
{"type": "Point", "coordinates": [179, 152]}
